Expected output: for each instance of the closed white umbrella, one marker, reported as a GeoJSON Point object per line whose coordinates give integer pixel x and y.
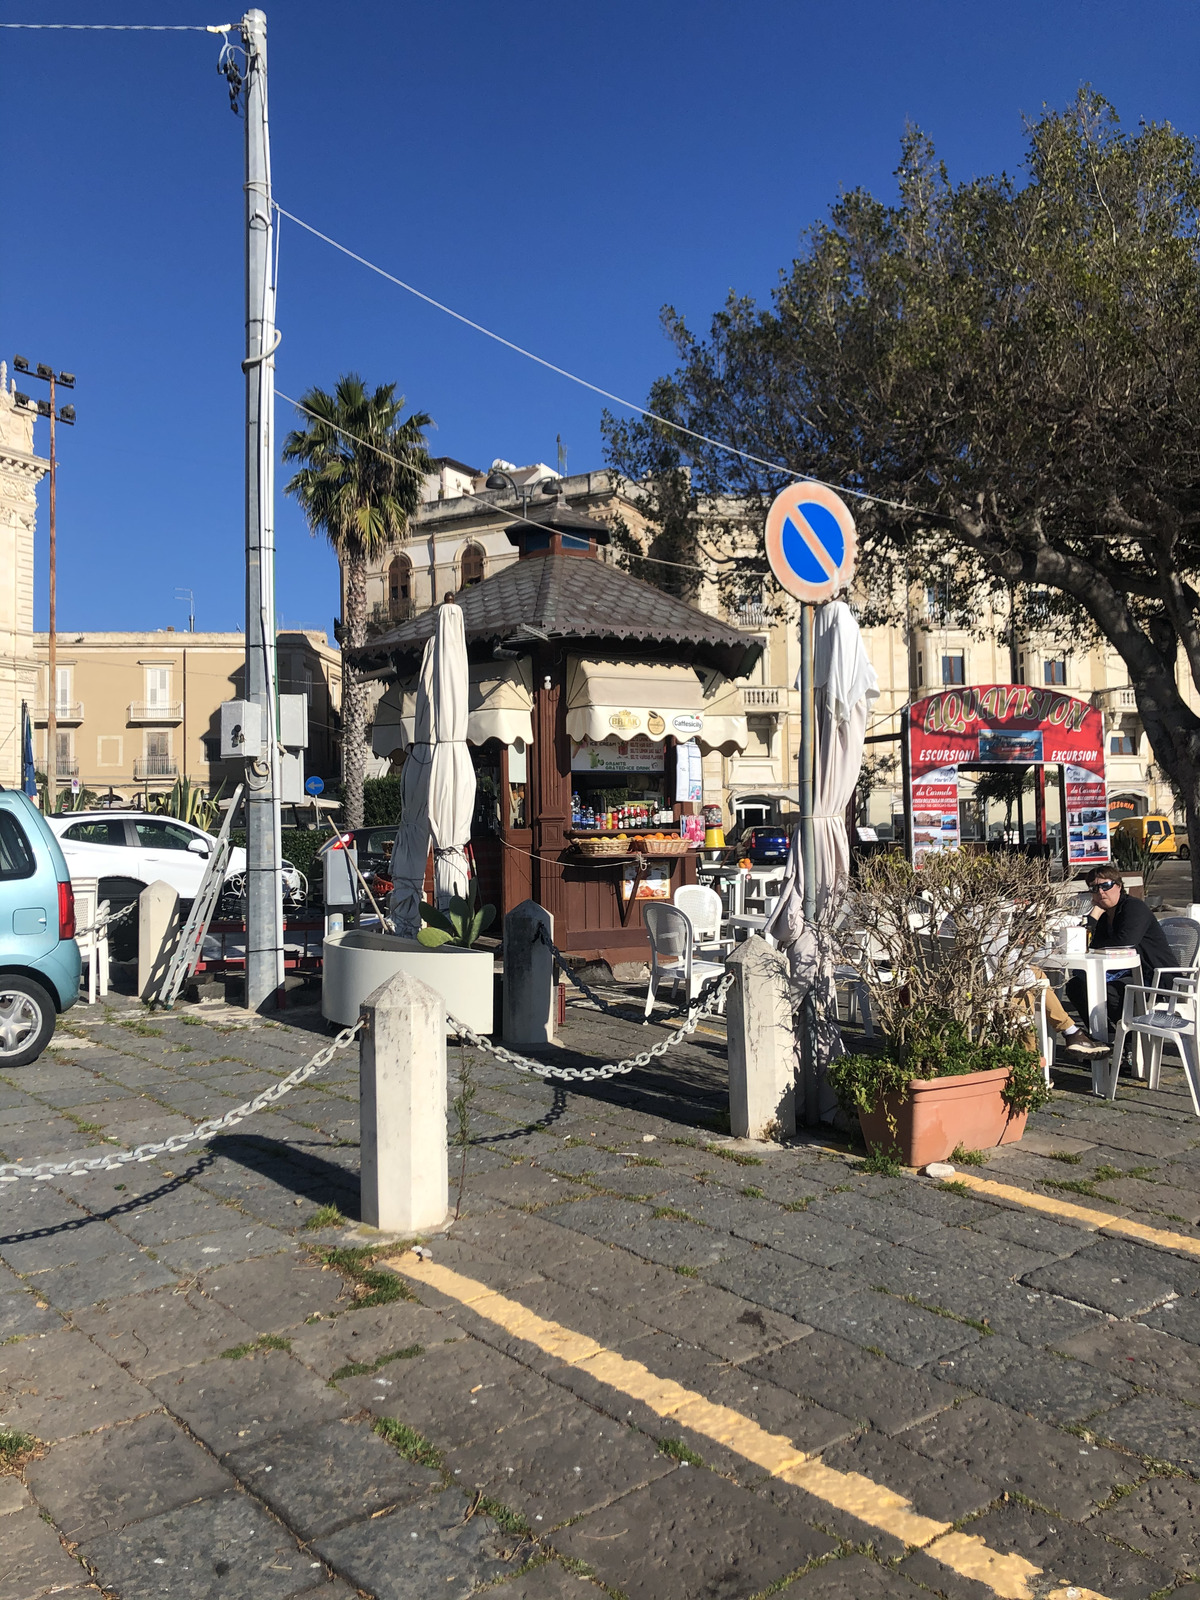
{"type": "Point", "coordinates": [845, 688]}
{"type": "Point", "coordinates": [438, 780]}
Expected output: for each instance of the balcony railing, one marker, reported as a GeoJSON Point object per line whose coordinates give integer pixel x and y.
{"type": "Point", "coordinates": [156, 711]}
{"type": "Point", "coordinates": [1122, 699]}
{"type": "Point", "coordinates": [65, 767]}
{"type": "Point", "coordinates": [63, 713]}
{"type": "Point", "coordinates": [765, 699]}
{"type": "Point", "coordinates": [751, 615]}
{"type": "Point", "coordinates": [156, 767]}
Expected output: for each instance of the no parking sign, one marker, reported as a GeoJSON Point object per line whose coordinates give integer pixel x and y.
{"type": "Point", "coordinates": [810, 542]}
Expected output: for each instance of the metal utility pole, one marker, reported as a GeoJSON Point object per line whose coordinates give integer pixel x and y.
{"type": "Point", "coordinates": [264, 880]}
{"type": "Point", "coordinates": [47, 409]}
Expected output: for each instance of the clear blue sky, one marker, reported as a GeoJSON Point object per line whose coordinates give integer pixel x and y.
{"type": "Point", "coordinates": [556, 172]}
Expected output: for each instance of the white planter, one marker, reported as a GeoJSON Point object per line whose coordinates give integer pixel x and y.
{"type": "Point", "coordinates": [358, 961]}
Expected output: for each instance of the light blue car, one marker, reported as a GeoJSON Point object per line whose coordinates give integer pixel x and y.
{"type": "Point", "coordinates": [39, 959]}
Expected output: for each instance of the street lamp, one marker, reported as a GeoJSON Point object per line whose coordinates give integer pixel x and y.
{"type": "Point", "coordinates": [46, 408]}
{"type": "Point", "coordinates": [497, 478]}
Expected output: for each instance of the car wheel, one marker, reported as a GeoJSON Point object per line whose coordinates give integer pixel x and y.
{"type": "Point", "coordinates": [1185, 853]}
{"type": "Point", "coordinates": [27, 1015]}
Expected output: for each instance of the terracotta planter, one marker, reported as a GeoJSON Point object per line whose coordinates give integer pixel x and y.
{"type": "Point", "coordinates": [939, 1114]}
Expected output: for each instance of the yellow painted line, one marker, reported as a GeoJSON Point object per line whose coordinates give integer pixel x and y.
{"type": "Point", "coordinates": [1084, 1214]}
{"type": "Point", "coordinates": [1008, 1576]}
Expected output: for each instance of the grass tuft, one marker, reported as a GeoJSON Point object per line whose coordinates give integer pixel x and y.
{"type": "Point", "coordinates": [362, 1369]}
{"type": "Point", "coordinates": [968, 1158]}
{"type": "Point", "coordinates": [687, 1272]}
{"type": "Point", "coordinates": [882, 1164]}
{"type": "Point", "coordinates": [678, 1451]}
{"type": "Point", "coordinates": [1082, 1186]}
{"type": "Point", "coordinates": [737, 1156]}
{"type": "Point", "coordinates": [325, 1217]}
{"type": "Point", "coordinates": [752, 1193]}
{"type": "Point", "coordinates": [1065, 1156]}
{"type": "Point", "coordinates": [16, 1448]}
{"type": "Point", "coordinates": [800, 1205]}
{"type": "Point", "coordinates": [371, 1287]}
{"type": "Point", "coordinates": [265, 1341]}
{"type": "Point", "coordinates": [413, 1446]}
{"type": "Point", "coordinates": [672, 1212]}
{"type": "Point", "coordinates": [956, 1186]}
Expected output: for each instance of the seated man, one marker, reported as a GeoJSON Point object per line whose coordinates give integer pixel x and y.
{"type": "Point", "coordinates": [1117, 920]}
{"type": "Point", "coordinates": [1077, 1042]}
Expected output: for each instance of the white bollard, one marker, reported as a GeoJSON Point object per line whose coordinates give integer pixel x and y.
{"type": "Point", "coordinates": [762, 1045]}
{"type": "Point", "coordinates": [402, 1107]}
{"type": "Point", "coordinates": [159, 925]}
{"type": "Point", "coordinates": [529, 998]}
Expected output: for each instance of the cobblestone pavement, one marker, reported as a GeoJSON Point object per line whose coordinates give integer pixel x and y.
{"type": "Point", "coordinates": [211, 1392]}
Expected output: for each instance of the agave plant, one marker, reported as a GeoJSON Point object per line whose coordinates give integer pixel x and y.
{"type": "Point", "coordinates": [461, 923]}
{"type": "Point", "coordinates": [189, 803]}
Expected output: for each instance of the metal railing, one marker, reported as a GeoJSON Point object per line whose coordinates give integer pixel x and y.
{"type": "Point", "coordinates": [64, 712]}
{"type": "Point", "coordinates": [749, 616]}
{"type": "Point", "coordinates": [156, 711]}
{"type": "Point", "coordinates": [65, 767]}
{"type": "Point", "coordinates": [156, 767]}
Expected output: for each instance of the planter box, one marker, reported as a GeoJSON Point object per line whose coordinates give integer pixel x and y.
{"type": "Point", "coordinates": [358, 961]}
{"type": "Point", "coordinates": [938, 1114]}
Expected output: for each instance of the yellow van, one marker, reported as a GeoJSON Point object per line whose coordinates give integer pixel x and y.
{"type": "Point", "coordinates": [1156, 831]}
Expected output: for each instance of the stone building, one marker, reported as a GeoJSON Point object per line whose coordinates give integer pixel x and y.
{"type": "Point", "coordinates": [20, 473]}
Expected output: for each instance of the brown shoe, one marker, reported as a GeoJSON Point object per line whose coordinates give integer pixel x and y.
{"type": "Point", "coordinates": [1079, 1044]}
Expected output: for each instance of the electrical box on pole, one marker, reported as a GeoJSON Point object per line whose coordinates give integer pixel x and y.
{"type": "Point", "coordinates": [264, 877]}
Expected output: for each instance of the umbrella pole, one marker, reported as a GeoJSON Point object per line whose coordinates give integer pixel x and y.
{"type": "Point", "coordinates": [808, 1024]}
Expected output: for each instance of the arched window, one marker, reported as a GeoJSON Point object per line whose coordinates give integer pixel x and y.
{"type": "Point", "coordinates": [400, 589]}
{"type": "Point", "coordinates": [472, 566]}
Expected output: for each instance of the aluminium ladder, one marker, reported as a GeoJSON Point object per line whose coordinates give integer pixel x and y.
{"type": "Point", "coordinates": [189, 947]}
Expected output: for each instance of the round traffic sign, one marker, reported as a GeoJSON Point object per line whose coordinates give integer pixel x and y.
{"type": "Point", "coordinates": [810, 541]}
{"type": "Point", "coordinates": [314, 785]}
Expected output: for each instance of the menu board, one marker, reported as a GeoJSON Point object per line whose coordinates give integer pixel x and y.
{"type": "Point", "coordinates": [1087, 815]}
{"type": "Point", "coordinates": [934, 812]}
{"type": "Point", "coordinates": [617, 755]}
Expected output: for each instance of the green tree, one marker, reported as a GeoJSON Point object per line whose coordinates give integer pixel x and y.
{"type": "Point", "coordinates": [1016, 361]}
{"type": "Point", "coordinates": [359, 485]}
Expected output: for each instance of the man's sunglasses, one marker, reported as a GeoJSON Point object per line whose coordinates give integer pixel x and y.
{"type": "Point", "coordinates": [1101, 884]}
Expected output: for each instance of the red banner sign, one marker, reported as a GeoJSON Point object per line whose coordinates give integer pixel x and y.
{"type": "Point", "coordinates": [998, 724]}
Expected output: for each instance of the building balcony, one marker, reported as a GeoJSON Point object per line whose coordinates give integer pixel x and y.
{"type": "Point", "coordinates": [156, 711]}
{"type": "Point", "coordinates": [1115, 700]}
{"type": "Point", "coordinates": [156, 767]}
{"type": "Point", "coordinates": [750, 616]}
{"type": "Point", "coordinates": [64, 715]}
{"type": "Point", "coordinates": [66, 768]}
{"type": "Point", "coordinates": [767, 698]}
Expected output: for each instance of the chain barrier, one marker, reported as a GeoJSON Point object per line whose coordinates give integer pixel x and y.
{"type": "Point", "coordinates": [11, 1171]}
{"type": "Point", "coordinates": [542, 937]}
{"type": "Point", "coordinates": [705, 1003]}
{"type": "Point", "coordinates": [108, 920]}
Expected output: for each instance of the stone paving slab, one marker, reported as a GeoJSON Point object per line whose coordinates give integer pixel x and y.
{"type": "Point", "coordinates": [906, 1333]}
{"type": "Point", "coordinates": [1141, 1355]}
{"type": "Point", "coordinates": [861, 1384]}
{"type": "Point", "coordinates": [1021, 1378]}
{"type": "Point", "coordinates": [1160, 1519]}
{"type": "Point", "coordinates": [57, 1385]}
{"type": "Point", "coordinates": [690, 1534]}
{"type": "Point", "coordinates": [104, 1482]}
{"type": "Point", "coordinates": [1157, 1427]}
{"type": "Point", "coordinates": [226, 1402]}
{"type": "Point", "coordinates": [33, 1562]}
{"type": "Point", "coordinates": [275, 1294]}
{"type": "Point", "coordinates": [424, 1549]}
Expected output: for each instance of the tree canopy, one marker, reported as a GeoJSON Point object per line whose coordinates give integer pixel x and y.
{"type": "Point", "coordinates": [1009, 368]}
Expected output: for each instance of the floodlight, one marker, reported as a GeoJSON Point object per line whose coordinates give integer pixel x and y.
{"type": "Point", "coordinates": [67, 379]}
{"type": "Point", "coordinates": [20, 364]}
{"type": "Point", "coordinates": [44, 409]}
{"type": "Point", "coordinates": [67, 414]}
{"type": "Point", "coordinates": [23, 399]}
{"type": "Point", "coordinates": [44, 371]}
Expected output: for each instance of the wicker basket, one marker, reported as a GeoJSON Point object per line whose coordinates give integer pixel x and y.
{"type": "Point", "coordinates": [662, 847]}
{"type": "Point", "coordinates": [600, 849]}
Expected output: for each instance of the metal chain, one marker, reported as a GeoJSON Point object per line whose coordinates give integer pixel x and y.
{"type": "Point", "coordinates": [542, 937]}
{"type": "Point", "coordinates": [11, 1171]}
{"type": "Point", "coordinates": [716, 989]}
{"type": "Point", "coordinates": [108, 920]}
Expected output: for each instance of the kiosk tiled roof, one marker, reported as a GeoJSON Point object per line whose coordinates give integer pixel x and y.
{"type": "Point", "coordinates": [579, 601]}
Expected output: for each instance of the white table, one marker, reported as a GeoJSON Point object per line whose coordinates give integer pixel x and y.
{"type": "Point", "coordinates": [759, 881]}
{"type": "Point", "coordinates": [749, 923]}
{"type": "Point", "coordinates": [1096, 966]}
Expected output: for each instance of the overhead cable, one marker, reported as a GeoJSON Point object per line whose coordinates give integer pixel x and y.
{"type": "Point", "coordinates": [606, 394]}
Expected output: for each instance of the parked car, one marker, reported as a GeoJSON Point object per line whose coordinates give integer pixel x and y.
{"type": "Point", "coordinates": [39, 959]}
{"type": "Point", "coordinates": [766, 844]}
{"type": "Point", "coordinates": [1157, 831]}
{"type": "Point", "coordinates": [134, 848]}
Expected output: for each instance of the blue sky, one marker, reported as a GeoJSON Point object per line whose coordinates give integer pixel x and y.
{"type": "Point", "coordinates": [556, 172]}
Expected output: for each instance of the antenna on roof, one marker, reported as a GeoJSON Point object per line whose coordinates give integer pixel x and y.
{"type": "Point", "coordinates": [562, 454]}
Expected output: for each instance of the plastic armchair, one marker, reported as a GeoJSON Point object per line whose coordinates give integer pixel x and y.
{"type": "Point", "coordinates": [702, 907]}
{"type": "Point", "coordinates": [92, 942]}
{"type": "Point", "coordinates": [1160, 1014]}
{"type": "Point", "coordinates": [671, 959]}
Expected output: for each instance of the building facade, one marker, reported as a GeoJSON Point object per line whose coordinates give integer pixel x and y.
{"type": "Point", "coordinates": [20, 473]}
{"type": "Point", "coordinates": [458, 538]}
{"type": "Point", "coordinates": [136, 711]}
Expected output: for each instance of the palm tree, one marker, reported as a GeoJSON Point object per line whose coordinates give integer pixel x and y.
{"type": "Point", "coordinates": [360, 484]}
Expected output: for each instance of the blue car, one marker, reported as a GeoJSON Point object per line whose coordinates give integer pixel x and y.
{"type": "Point", "coordinates": [39, 959]}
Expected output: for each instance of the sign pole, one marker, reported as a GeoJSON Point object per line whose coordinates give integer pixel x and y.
{"type": "Point", "coordinates": [808, 854]}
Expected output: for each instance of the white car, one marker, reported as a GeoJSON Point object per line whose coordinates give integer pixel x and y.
{"type": "Point", "coordinates": [127, 850]}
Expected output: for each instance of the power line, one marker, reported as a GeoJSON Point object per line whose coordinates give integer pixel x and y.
{"type": "Point", "coordinates": [119, 27]}
{"type": "Point", "coordinates": [606, 394]}
{"type": "Point", "coordinates": [516, 516]}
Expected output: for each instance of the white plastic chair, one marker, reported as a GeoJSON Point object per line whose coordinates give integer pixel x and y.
{"type": "Point", "coordinates": [93, 943]}
{"type": "Point", "coordinates": [670, 934]}
{"type": "Point", "coordinates": [1159, 1014]}
{"type": "Point", "coordinates": [702, 907]}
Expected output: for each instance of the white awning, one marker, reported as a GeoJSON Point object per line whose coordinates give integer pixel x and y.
{"type": "Point", "coordinates": [617, 700]}
{"type": "Point", "coordinates": [500, 706]}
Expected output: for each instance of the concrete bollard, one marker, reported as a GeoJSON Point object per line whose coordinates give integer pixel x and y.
{"type": "Point", "coordinates": [762, 1046]}
{"type": "Point", "coordinates": [159, 925]}
{"type": "Point", "coordinates": [402, 1107]}
{"type": "Point", "coordinates": [529, 999]}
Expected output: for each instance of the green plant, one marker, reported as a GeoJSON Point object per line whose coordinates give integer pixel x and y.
{"type": "Point", "coordinates": [461, 923]}
{"type": "Point", "coordinates": [189, 803]}
{"type": "Point", "coordinates": [372, 1287]}
{"type": "Point", "coordinates": [678, 1451]}
{"type": "Point", "coordinates": [735, 1156]}
{"type": "Point", "coordinates": [1135, 855]}
{"type": "Point", "coordinates": [362, 1369]}
{"type": "Point", "coordinates": [968, 1158]}
{"type": "Point", "coordinates": [265, 1341]}
{"type": "Point", "coordinates": [879, 1162]}
{"type": "Point", "coordinates": [325, 1217]}
{"type": "Point", "coordinates": [413, 1446]}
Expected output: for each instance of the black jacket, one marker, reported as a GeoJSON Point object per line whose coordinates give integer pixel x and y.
{"type": "Point", "coordinates": [1134, 924]}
